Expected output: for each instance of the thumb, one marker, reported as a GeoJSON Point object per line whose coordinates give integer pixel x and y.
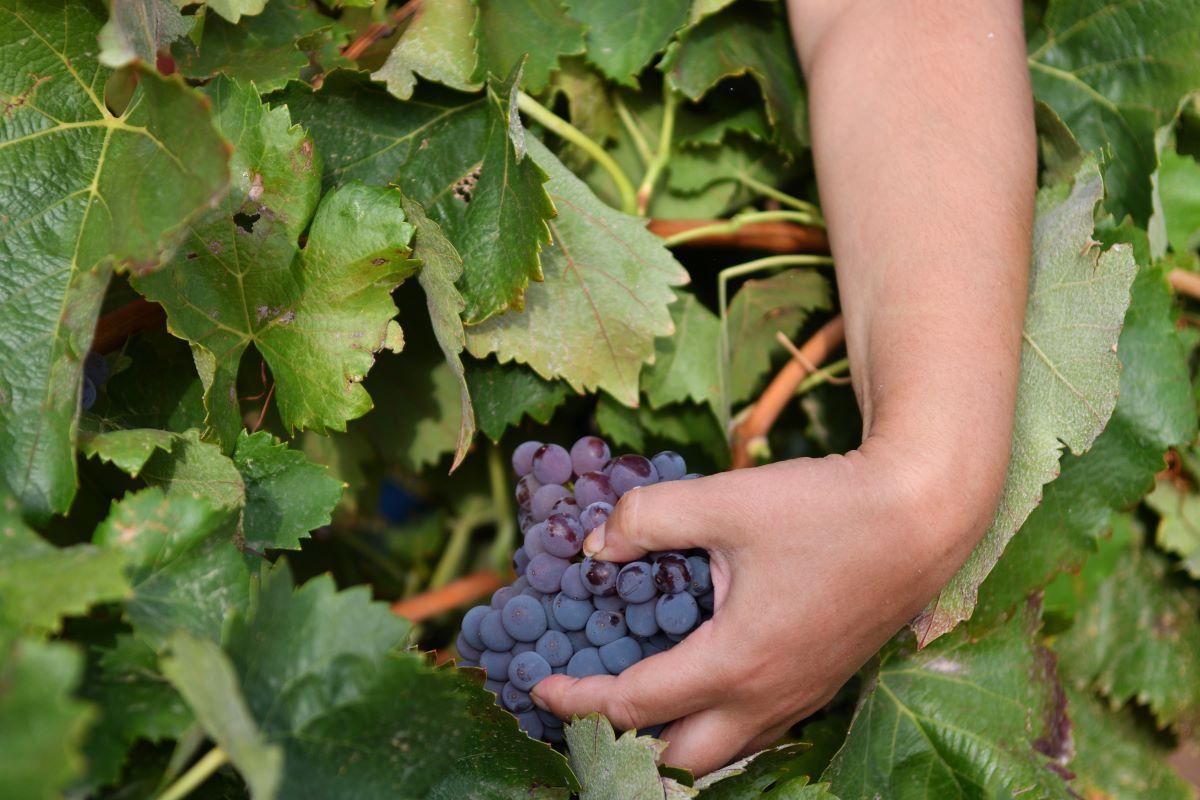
{"type": "Point", "coordinates": [665, 516]}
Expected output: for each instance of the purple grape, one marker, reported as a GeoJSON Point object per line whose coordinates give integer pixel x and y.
{"type": "Point", "coordinates": [677, 613]}
{"type": "Point", "coordinates": [562, 536]}
{"type": "Point", "coordinates": [594, 516]}
{"type": "Point", "coordinates": [608, 602]}
{"type": "Point", "coordinates": [523, 618]}
{"type": "Point", "coordinates": [555, 647]}
{"type": "Point", "coordinates": [568, 506]}
{"type": "Point", "coordinates": [470, 626]}
{"type": "Point", "coordinates": [545, 572]}
{"type": "Point", "coordinates": [529, 591]}
{"type": "Point", "coordinates": [552, 735]}
{"type": "Point", "coordinates": [522, 457]}
{"type": "Point", "coordinates": [552, 623]}
{"type": "Point", "coordinates": [572, 584]}
{"type": "Point", "coordinates": [496, 664]}
{"type": "Point", "coordinates": [514, 699]}
{"type": "Point", "coordinates": [599, 576]}
{"type": "Point", "coordinates": [620, 655]}
{"type": "Point", "coordinates": [706, 601]}
{"type": "Point", "coordinates": [579, 640]}
{"type": "Point", "coordinates": [701, 576]}
{"type": "Point", "coordinates": [527, 670]}
{"type": "Point", "coordinates": [630, 472]}
{"type": "Point", "coordinates": [594, 487]}
{"type": "Point", "coordinates": [493, 634]}
{"type": "Point", "coordinates": [549, 720]}
{"type": "Point", "coordinates": [605, 626]}
{"type": "Point", "coordinates": [544, 499]}
{"type": "Point", "coordinates": [639, 618]}
{"type": "Point", "coordinates": [588, 454]}
{"type": "Point", "coordinates": [671, 573]}
{"type": "Point", "coordinates": [504, 594]}
{"type": "Point", "coordinates": [524, 519]}
{"type": "Point", "coordinates": [496, 687]}
{"type": "Point", "coordinates": [586, 662]}
{"type": "Point", "coordinates": [520, 561]}
{"type": "Point", "coordinates": [552, 464]}
{"type": "Point", "coordinates": [635, 584]}
{"type": "Point", "coordinates": [572, 614]}
{"type": "Point", "coordinates": [531, 724]}
{"type": "Point", "coordinates": [533, 539]}
{"type": "Point", "coordinates": [669, 465]}
{"type": "Point", "coordinates": [87, 397]}
{"type": "Point", "coordinates": [654, 645]}
{"type": "Point", "coordinates": [466, 650]}
{"type": "Point", "coordinates": [526, 488]}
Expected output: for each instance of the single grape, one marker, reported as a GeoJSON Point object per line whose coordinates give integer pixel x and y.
{"type": "Point", "coordinates": [604, 627]}
{"type": "Point", "coordinates": [543, 500]}
{"type": "Point", "coordinates": [496, 687]}
{"type": "Point", "coordinates": [527, 670]}
{"type": "Point", "coordinates": [503, 595]}
{"type": "Point", "coordinates": [514, 699]}
{"type": "Point", "coordinates": [705, 601]}
{"type": "Point", "coordinates": [572, 584]}
{"type": "Point", "coordinates": [545, 572]}
{"type": "Point", "coordinates": [526, 487]}
{"type": "Point", "coordinates": [562, 536]}
{"type": "Point", "coordinates": [549, 720]}
{"type": "Point", "coordinates": [520, 584]}
{"type": "Point", "coordinates": [520, 561]}
{"type": "Point", "coordinates": [533, 539]}
{"type": "Point", "coordinates": [552, 464]}
{"type": "Point", "coordinates": [470, 626]}
{"type": "Point", "coordinates": [529, 591]}
{"type": "Point", "coordinates": [493, 634]}
{"type": "Point", "coordinates": [630, 472]}
{"type": "Point", "coordinates": [599, 576]}
{"type": "Point", "coordinates": [555, 647]}
{"type": "Point", "coordinates": [466, 650]}
{"type": "Point", "coordinates": [594, 487]}
{"type": "Point", "coordinates": [522, 457]}
{"type": "Point", "coordinates": [671, 573]}
{"type": "Point", "coordinates": [569, 506]}
{"type": "Point", "coordinates": [608, 602]}
{"type": "Point", "coordinates": [669, 465]}
{"type": "Point", "coordinates": [552, 735]}
{"type": "Point", "coordinates": [572, 614]}
{"type": "Point", "coordinates": [95, 367]}
{"type": "Point", "coordinates": [524, 519]}
{"type": "Point", "coordinates": [496, 664]}
{"type": "Point", "coordinates": [701, 576]}
{"type": "Point", "coordinates": [621, 654]}
{"type": "Point", "coordinates": [635, 583]}
{"type": "Point", "coordinates": [677, 613]}
{"type": "Point", "coordinates": [531, 724]}
{"type": "Point", "coordinates": [462, 663]}
{"type": "Point", "coordinates": [521, 647]}
{"type": "Point", "coordinates": [87, 396]}
{"type": "Point", "coordinates": [586, 662]}
{"type": "Point", "coordinates": [524, 618]}
{"type": "Point", "coordinates": [552, 623]}
{"type": "Point", "coordinates": [639, 618]}
{"type": "Point", "coordinates": [579, 640]}
{"type": "Point", "coordinates": [588, 454]}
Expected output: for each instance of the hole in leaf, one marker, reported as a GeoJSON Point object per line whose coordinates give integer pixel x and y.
{"type": "Point", "coordinates": [246, 221]}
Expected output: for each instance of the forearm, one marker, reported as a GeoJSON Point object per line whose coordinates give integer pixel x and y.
{"type": "Point", "coordinates": [923, 138]}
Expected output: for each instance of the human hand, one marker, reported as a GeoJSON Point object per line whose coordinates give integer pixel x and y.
{"type": "Point", "coordinates": [815, 564]}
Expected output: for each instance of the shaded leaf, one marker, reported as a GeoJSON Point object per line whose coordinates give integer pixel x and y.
{"type": "Point", "coordinates": [138, 29]}
{"type": "Point", "coordinates": [771, 773]}
{"type": "Point", "coordinates": [129, 449]}
{"type": "Point", "coordinates": [507, 30]}
{"type": "Point", "coordinates": [611, 768]}
{"type": "Point", "coordinates": [591, 109]}
{"type": "Point", "coordinates": [156, 387]}
{"type": "Point", "coordinates": [436, 45]}
{"type": "Point", "coordinates": [1179, 523]}
{"type": "Point", "coordinates": [622, 38]}
{"type": "Point", "coordinates": [197, 469]}
{"type": "Point", "coordinates": [504, 393]}
{"type": "Point", "coordinates": [686, 362]}
{"type": "Point", "coordinates": [1175, 195]}
{"type": "Point", "coordinates": [286, 494]}
{"type": "Point", "coordinates": [683, 427]}
{"type": "Point", "coordinates": [233, 10]}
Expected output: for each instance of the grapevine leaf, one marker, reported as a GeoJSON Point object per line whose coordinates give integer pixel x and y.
{"type": "Point", "coordinates": [1116, 758]}
{"type": "Point", "coordinates": [591, 109]}
{"type": "Point", "coordinates": [623, 37]}
{"type": "Point", "coordinates": [681, 426]}
{"type": "Point", "coordinates": [686, 362]}
{"type": "Point", "coordinates": [83, 191]}
{"type": "Point", "coordinates": [41, 724]}
{"type": "Point", "coordinates": [157, 388]}
{"type": "Point", "coordinates": [1138, 636]}
{"type": "Point", "coordinates": [194, 468]}
{"type": "Point", "coordinates": [706, 8]}
{"type": "Point", "coordinates": [182, 562]}
{"type": "Point", "coordinates": [738, 41]}
{"type": "Point", "coordinates": [593, 320]}
{"type": "Point", "coordinates": [138, 29]}
{"type": "Point", "coordinates": [1154, 411]}
{"type": "Point", "coordinates": [761, 309]}
{"type": "Point", "coordinates": [961, 718]}
{"type": "Point", "coordinates": [711, 128]}
{"type": "Point", "coordinates": [1114, 71]}
{"type": "Point", "coordinates": [436, 45]}
{"type": "Point", "coordinates": [233, 10]}
{"type": "Point", "coordinates": [611, 768]}
{"type": "Point", "coordinates": [1069, 377]}
{"type": "Point", "coordinates": [770, 773]}
{"type": "Point", "coordinates": [322, 675]}
{"type": "Point", "coordinates": [504, 393]}
{"type": "Point", "coordinates": [441, 267]}
{"type": "Point", "coordinates": [1175, 220]}
{"type": "Point", "coordinates": [318, 314]}
{"type": "Point", "coordinates": [129, 449]}
{"type": "Point", "coordinates": [41, 583]}
{"type": "Point", "coordinates": [1179, 523]}
{"type": "Point", "coordinates": [507, 30]}
{"type": "Point", "coordinates": [286, 494]}
{"type": "Point", "coordinates": [134, 701]}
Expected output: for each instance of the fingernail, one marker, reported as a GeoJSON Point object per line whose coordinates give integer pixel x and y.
{"type": "Point", "coordinates": [539, 702]}
{"type": "Point", "coordinates": [594, 542]}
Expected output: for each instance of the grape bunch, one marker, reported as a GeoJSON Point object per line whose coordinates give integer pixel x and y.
{"type": "Point", "coordinates": [580, 616]}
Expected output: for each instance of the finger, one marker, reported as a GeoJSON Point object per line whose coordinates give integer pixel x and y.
{"type": "Point", "coordinates": [764, 740]}
{"type": "Point", "coordinates": [705, 741]}
{"type": "Point", "coordinates": [666, 686]}
{"type": "Point", "coordinates": [665, 516]}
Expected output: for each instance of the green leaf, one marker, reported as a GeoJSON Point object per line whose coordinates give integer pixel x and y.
{"type": "Point", "coordinates": [1174, 195]}
{"type": "Point", "coordinates": [507, 30]}
{"type": "Point", "coordinates": [504, 393]}
{"type": "Point", "coordinates": [194, 468]}
{"type": "Point", "coordinates": [138, 29]}
{"type": "Point", "coordinates": [746, 39]}
{"type": "Point", "coordinates": [1114, 71]}
{"type": "Point", "coordinates": [436, 45]}
{"type": "Point", "coordinates": [83, 192]}
{"type": "Point", "coordinates": [317, 315]}
{"type": "Point", "coordinates": [1138, 637]}
{"type": "Point", "coordinates": [129, 450]}
{"type": "Point", "coordinates": [959, 719]}
{"type": "Point", "coordinates": [233, 10]}
{"type": "Point", "coordinates": [182, 562]}
{"type": "Point", "coordinates": [286, 494]}
{"type": "Point", "coordinates": [771, 773]}
{"type": "Point", "coordinates": [594, 318]}
{"type": "Point", "coordinates": [1154, 411]}
{"type": "Point", "coordinates": [591, 109]}
{"type": "Point", "coordinates": [623, 37]}
{"type": "Point", "coordinates": [154, 386]}
{"type": "Point", "coordinates": [609, 768]}
{"type": "Point", "coordinates": [681, 426]}
{"type": "Point", "coordinates": [322, 676]}
{"type": "Point", "coordinates": [1178, 523]}
{"type": "Point", "coordinates": [1069, 377]}
{"type": "Point", "coordinates": [686, 362]}
{"type": "Point", "coordinates": [761, 309]}
{"type": "Point", "coordinates": [1116, 758]}
{"type": "Point", "coordinates": [41, 583]}
{"type": "Point", "coordinates": [41, 724]}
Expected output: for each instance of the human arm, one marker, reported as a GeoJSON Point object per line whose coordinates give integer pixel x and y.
{"type": "Point", "coordinates": [922, 128]}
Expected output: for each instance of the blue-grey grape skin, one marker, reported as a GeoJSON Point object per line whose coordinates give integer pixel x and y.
{"type": "Point", "coordinates": [671, 573]}
{"type": "Point", "coordinates": [545, 572]}
{"type": "Point", "coordinates": [600, 577]}
{"type": "Point", "coordinates": [620, 655]}
{"type": "Point", "coordinates": [465, 648]}
{"type": "Point", "coordinates": [572, 614]}
{"type": "Point", "coordinates": [522, 458]}
{"type": "Point", "coordinates": [470, 626]}
{"type": "Point", "coordinates": [579, 640]}
{"type": "Point", "coordinates": [552, 464]}
{"type": "Point", "coordinates": [493, 634]}
{"type": "Point", "coordinates": [496, 664]}
{"type": "Point", "coordinates": [585, 663]}
{"type": "Point", "coordinates": [527, 670]}
{"type": "Point", "coordinates": [531, 723]}
{"type": "Point", "coordinates": [555, 647]}
{"type": "Point", "coordinates": [532, 543]}
{"type": "Point", "coordinates": [520, 561]}
{"type": "Point", "coordinates": [629, 472]}
{"type": "Point", "coordinates": [604, 627]}
{"type": "Point", "coordinates": [588, 454]}
{"type": "Point", "coordinates": [569, 506]}
{"type": "Point", "coordinates": [523, 618]}
{"type": "Point", "coordinates": [504, 594]}
{"type": "Point", "coordinates": [571, 583]}
{"type": "Point", "coordinates": [594, 487]}
{"type": "Point", "coordinates": [677, 613]}
{"type": "Point", "coordinates": [608, 602]}
{"type": "Point", "coordinates": [562, 536]}
{"type": "Point", "coordinates": [514, 699]}
{"type": "Point", "coordinates": [701, 576]}
{"type": "Point", "coordinates": [594, 516]}
{"type": "Point", "coordinates": [526, 488]}
{"type": "Point", "coordinates": [521, 647]}
{"type": "Point", "coordinates": [639, 618]}
{"type": "Point", "coordinates": [635, 583]}
{"type": "Point", "coordinates": [543, 500]}
{"type": "Point", "coordinates": [549, 720]}
{"type": "Point", "coordinates": [669, 465]}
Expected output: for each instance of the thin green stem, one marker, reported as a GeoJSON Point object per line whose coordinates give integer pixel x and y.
{"type": "Point", "coordinates": [476, 512]}
{"type": "Point", "coordinates": [767, 190]}
{"type": "Point", "coordinates": [735, 222]}
{"type": "Point", "coordinates": [570, 133]}
{"type": "Point", "coordinates": [633, 129]}
{"type": "Point", "coordinates": [198, 774]}
{"type": "Point", "coordinates": [823, 375]}
{"type": "Point", "coordinates": [663, 154]}
{"type": "Point", "coordinates": [506, 525]}
{"type": "Point", "coordinates": [723, 278]}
